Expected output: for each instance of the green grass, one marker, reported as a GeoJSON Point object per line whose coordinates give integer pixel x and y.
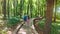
{"type": "Point", "coordinates": [55, 27]}
{"type": "Point", "coordinates": [12, 21]}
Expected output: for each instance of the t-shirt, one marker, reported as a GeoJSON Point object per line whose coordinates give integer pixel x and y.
{"type": "Point", "coordinates": [29, 23]}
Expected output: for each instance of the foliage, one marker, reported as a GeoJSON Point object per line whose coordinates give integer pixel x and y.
{"type": "Point", "coordinates": [41, 23]}
{"type": "Point", "coordinates": [3, 32]}
{"type": "Point", "coordinates": [13, 21]}
{"type": "Point", "coordinates": [54, 27]}
{"type": "Point", "coordinates": [29, 7]}
{"type": "Point", "coordinates": [58, 16]}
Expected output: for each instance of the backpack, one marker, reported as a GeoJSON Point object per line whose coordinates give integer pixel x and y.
{"type": "Point", "coordinates": [25, 18]}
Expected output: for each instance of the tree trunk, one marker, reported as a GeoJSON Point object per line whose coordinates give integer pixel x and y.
{"type": "Point", "coordinates": [31, 7]}
{"type": "Point", "coordinates": [4, 9]}
{"type": "Point", "coordinates": [21, 7]}
{"type": "Point", "coordinates": [8, 10]}
{"type": "Point", "coordinates": [55, 10]}
{"type": "Point", "coordinates": [28, 9]}
{"type": "Point", "coordinates": [14, 7]}
{"type": "Point", "coordinates": [49, 13]}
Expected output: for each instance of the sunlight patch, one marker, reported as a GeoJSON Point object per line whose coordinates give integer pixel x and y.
{"type": "Point", "coordinates": [58, 24]}
{"type": "Point", "coordinates": [22, 31]}
{"type": "Point", "coordinates": [58, 30]}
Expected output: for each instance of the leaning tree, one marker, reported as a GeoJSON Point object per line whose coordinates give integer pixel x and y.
{"type": "Point", "coordinates": [49, 13]}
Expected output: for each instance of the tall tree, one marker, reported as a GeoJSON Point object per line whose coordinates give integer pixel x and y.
{"type": "Point", "coordinates": [30, 8]}
{"type": "Point", "coordinates": [49, 13]}
{"type": "Point", "coordinates": [21, 7]}
{"type": "Point", "coordinates": [4, 8]}
{"type": "Point", "coordinates": [37, 12]}
{"type": "Point", "coordinates": [14, 5]}
{"type": "Point", "coordinates": [38, 7]}
{"type": "Point", "coordinates": [0, 6]}
{"type": "Point", "coordinates": [8, 9]}
{"type": "Point", "coordinates": [55, 5]}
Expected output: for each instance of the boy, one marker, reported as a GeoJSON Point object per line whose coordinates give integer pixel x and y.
{"type": "Point", "coordinates": [29, 24]}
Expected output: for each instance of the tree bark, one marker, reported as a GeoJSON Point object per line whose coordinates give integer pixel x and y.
{"type": "Point", "coordinates": [4, 9]}
{"type": "Point", "coordinates": [8, 9]}
{"type": "Point", "coordinates": [31, 7]}
{"type": "Point", "coordinates": [49, 13]}
{"type": "Point", "coordinates": [21, 7]}
{"type": "Point", "coordinates": [14, 7]}
{"type": "Point", "coordinates": [55, 10]}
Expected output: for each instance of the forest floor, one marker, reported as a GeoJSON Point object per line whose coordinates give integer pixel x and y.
{"type": "Point", "coordinates": [24, 29]}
